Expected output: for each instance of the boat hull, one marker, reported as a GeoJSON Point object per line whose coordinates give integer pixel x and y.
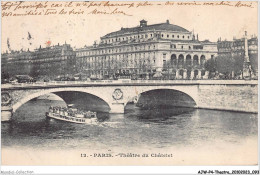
{"type": "Point", "coordinates": [71, 119]}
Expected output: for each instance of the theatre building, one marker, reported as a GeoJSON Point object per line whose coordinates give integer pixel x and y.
{"type": "Point", "coordinates": [145, 51]}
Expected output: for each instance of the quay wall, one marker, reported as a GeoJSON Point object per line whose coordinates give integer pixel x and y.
{"type": "Point", "coordinates": [233, 97]}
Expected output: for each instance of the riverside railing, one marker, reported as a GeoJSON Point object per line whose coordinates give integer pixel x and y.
{"type": "Point", "coordinates": [126, 82]}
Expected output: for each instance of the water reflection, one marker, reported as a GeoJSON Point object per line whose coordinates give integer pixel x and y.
{"type": "Point", "coordinates": [158, 115]}
{"type": "Point", "coordinates": [156, 128]}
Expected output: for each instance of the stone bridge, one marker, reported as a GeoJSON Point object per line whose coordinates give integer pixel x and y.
{"type": "Point", "coordinates": [234, 95]}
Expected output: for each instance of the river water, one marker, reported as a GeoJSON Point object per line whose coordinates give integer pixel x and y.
{"type": "Point", "coordinates": [179, 130]}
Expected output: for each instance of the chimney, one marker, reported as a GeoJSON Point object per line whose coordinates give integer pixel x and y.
{"type": "Point", "coordinates": [143, 23]}
{"type": "Point", "coordinates": [167, 21]}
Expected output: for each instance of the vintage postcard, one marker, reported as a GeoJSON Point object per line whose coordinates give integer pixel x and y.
{"type": "Point", "coordinates": [129, 83]}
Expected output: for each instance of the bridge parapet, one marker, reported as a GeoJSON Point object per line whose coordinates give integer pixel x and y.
{"type": "Point", "coordinates": [127, 82]}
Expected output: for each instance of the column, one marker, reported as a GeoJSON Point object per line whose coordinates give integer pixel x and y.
{"type": "Point", "coordinates": [246, 48]}
{"type": "Point", "coordinates": [199, 74]}
{"type": "Point", "coordinates": [246, 66]}
{"type": "Point", "coordinates": [184, 73]}
{"type": "Point", "coordinates": [192, 74]}
{"type": "Point", "coordinates": [177, 74]}
{"type": "Point", "coordinates": [207, 75]}
{"type": "Point", "coordinates": [177, 60]}
{"type": "Point", "coordinates": [184, 60]}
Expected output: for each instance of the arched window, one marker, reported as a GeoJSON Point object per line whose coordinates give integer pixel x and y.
{"type": "Point", "coordinates": [195, 60]}
{"type": "Point", "coordinates": [181, 60]}
{"type": "Point", "coordinates": [173, 60]}
{"type": "Point", "coordinates": [196, 72]}
{"type": "Point", "coordinates": [188, 74]}
{"type": "Point", "coordinates": [203, 72]}
{"type": "Point", "coordinates": [202, 59]}
{"type": "Point", "coordinates": [188, 60]}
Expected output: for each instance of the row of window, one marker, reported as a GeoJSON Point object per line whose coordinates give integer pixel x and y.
{"type": "Point", "coordinates": [108, 59]}
{"type": "Point", "coordinates": [127, 71]}
{"type": "Point", "coordinates": [34, 60]}
{"type": "Point", "coordinates": [174, 36]}
{"type": "Point", "coordinates": [234, 44]}
{"type": "Point", "coordinates": [147, 36]}
{"type": "Point", "coordinates": [116, 65]}
{"type": "Point", "coordinates": [116, 50]}
{"type": "Point", "coordinates": [134, 48]}
{"type": "Point", "coordinates": [148, 60]}
{"type": "Point", "coordinates": [113, 60]}
{"type": "Point", "coordinates": [173, 46]}
{"type": "Point", "coordinates": [107, 41]}
{"type": "Point", "coordinates": [46, 55]}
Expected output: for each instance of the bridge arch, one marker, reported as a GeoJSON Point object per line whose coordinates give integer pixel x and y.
{"type": "Point", "coordinates": [27, 98]}
{"type": "Point", "coordinates": [188, 92]}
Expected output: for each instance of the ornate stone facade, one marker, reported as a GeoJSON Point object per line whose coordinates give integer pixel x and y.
{"type": "Point", "coordinates": [144, 50]}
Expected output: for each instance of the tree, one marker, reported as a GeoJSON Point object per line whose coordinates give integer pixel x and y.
{"type": "Point", "coordinates": [225, 65]}
{"type": "Point", "coordinates": [254, 61]}
{"type": "Point", "coordinates": [4, 75]}
{"type": "Point", "coordinates": [238, 64]}
{"type": "Point", "coordinates": [35, 70]}
{"type": "Point", "coordinates": [210, 65]}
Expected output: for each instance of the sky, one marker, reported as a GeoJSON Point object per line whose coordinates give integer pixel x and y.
{"type": "Point", "coordinates": [209, 22]}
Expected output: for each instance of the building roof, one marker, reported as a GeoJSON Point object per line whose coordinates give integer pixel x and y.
{"type": "Point", "coordinates": [162, 26]}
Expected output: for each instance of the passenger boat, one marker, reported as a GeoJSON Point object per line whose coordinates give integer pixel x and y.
{"type": "Point", "coordinates": [71, 114]}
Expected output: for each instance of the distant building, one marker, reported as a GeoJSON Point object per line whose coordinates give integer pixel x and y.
{"type": "Point", "coordinates": [237, 48]}
{"type": "Point", "coordinates": [49, 61]}
{"type": "Point", "coordinates": [16, 62]}
{"type": "Point", "coordinates": [144, 50]}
